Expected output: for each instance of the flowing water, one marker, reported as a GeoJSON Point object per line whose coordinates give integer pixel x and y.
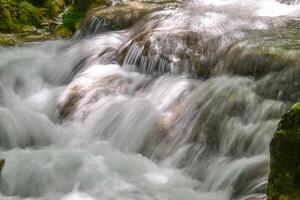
{"type": "Point", "coordinates": [78, 124]}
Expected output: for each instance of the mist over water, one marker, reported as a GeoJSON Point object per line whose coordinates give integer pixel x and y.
{"type": "Point", "coordinates": [76, 123]}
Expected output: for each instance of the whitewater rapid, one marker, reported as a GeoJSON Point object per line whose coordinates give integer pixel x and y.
{"type": "Point", "coordinates": [77, 125]}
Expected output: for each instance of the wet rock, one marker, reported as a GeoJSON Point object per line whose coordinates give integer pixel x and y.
{"type": "Point", "coordinates": [255, 197]}
{"type": "Point", "coordinates": [161, 47]}
{"type": "Point", "coordinates": [2, 162]}
{"type": "Point", "coordinates": [280, 68]}
{"type": "Point", "coordinates": [63, 32]}
{"type": "Point", "coordinates": [118, 16]}
{"type": "Point", "coordinates": [282, 85]}
{"type": "Point", "coordinates": [287, 1]}
{"type": "Point", "coordinates": [177, 51]}
{"type": "Point", "coordinates": [85, 90]}
{"type": "Point", "coordinates": [256, 62]}
{"type": "Point", "coordinates": [284, 178]}
{"type": "Point", "coordinates": [68, 106]}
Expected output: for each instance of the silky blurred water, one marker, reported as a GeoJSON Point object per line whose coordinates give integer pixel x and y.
{"type": "Point", "coordinates": [76, 125]}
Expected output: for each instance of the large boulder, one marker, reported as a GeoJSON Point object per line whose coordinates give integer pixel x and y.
{"type": "Point", "coordinates": [159, 46]}
{"type": "Point", "coordinates": [160, 51]}
{"type": "Point", "coordinates": [282, 79]}
{"type": "Point", "coordinates": [284, 178]}
{"type": "Point", "coordinates": [203, 50]}
{"type": "Point", "coordinates": [119, 16]}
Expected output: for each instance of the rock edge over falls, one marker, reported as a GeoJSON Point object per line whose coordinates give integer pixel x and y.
{"type": "Point", "coordinates": [284, 178]}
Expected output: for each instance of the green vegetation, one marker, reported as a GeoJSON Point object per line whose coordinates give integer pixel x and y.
{"type": "Point", "coordinates": [73, 17]}
{"type": "Point", "coordinates": [40, 19]}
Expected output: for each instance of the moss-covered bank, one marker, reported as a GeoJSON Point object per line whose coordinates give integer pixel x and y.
{"type": "Point", "coordinates": [30, 20]}
{"type": "Point", "coordinates": [21, 15]}
{"type": "Point", "coordinates": [284, 178]}
{"type": "Point", "coordinates": [25, 20]}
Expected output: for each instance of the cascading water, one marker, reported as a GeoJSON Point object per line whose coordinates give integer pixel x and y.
{"type": "Point", "coordinates": [76, 125]}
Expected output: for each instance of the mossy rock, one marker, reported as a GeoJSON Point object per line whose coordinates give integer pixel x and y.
{"type": "Point", "coordinates": [284, 178]}
{"type": "Point", "coordinates": [72, 19]}
{"type": "Point", "coordinates": [2, 162]}
{"type": "Point", "coordinates": [63, 32]}
{"type": "Point", "coordinates": [16, 14]}
{"type": "Point", "coordinates": [7, 40]}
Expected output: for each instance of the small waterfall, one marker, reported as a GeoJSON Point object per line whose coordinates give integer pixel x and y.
{"type": "Point", "coordinates": [182, 105]}
{"type": "Point", "coordinates": [93, 26]}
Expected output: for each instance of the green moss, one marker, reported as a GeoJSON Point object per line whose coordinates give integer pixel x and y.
{"type": "Point", "coordinates": [6, 22]}
{"type": "Point", "coordinates": [29, 14]}
{"type": "Point", "coordinates": [56, 7]}
{"type": "Point", "coordinates": [284, 178]}
{"type": "Point", "coordinates": [6, 40]}
{"type": "Point", "coordinates": [63, 32]}
{"type": "Point", "coordinates": [72, 19]}
{"type": "Point", "coordinates": [291, 120]}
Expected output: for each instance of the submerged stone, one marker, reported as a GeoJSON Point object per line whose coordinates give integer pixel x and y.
{"type": "Point", "coordinates": [2, 162]}
{"type": "Point", "coordinates": [284, 178]}
{"type": "Point", "coordinates": [178, 51]}
{"type": "Point", "coordinates": [200, 51]}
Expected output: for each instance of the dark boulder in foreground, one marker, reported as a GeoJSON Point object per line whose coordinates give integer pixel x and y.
{"type": "Point", "coordinates": [284, 178]}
